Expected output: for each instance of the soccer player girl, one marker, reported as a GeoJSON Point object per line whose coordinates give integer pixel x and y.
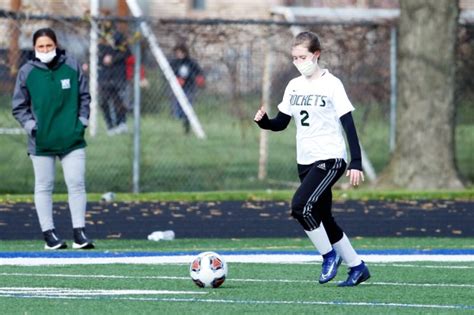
{"type": "Point", "coordinates": [321, 109]}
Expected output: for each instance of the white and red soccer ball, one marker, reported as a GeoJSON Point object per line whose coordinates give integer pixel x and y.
{"type": "Point", "coordinates": [208, 270]}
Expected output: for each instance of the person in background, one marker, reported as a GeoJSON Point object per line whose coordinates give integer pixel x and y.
{"type": "Point", "coordinates": [321, 109]}
{"type": "Point", "coordinates": [113, 53]}
{"type": "Point", "coordinates": [190, 77]}
{"type": "Point", "coordinates": [127, 93]}
{"type": "Point", "coordinates": [51, 102]}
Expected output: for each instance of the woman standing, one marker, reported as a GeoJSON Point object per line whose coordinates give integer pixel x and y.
{"type": "Point", "coordinates": [319, 104]}
{"type": "Point", "coordinates": [51, 102]}
{"type": "Point", "coordinates": [190, 77]}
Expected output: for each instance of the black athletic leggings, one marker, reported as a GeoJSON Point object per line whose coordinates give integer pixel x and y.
{"type": "Point", "coordinates": [312, 201]}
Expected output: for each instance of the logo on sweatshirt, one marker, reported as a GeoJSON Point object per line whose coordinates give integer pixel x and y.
{"type": "Point", "coordinates": [65, 84]}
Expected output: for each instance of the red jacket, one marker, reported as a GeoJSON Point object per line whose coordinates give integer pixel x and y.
{"type": "Point", "coordinates": [129, 67]}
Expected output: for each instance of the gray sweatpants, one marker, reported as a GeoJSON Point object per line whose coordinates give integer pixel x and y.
{"type": "Point", "coordinates": [74, 166]}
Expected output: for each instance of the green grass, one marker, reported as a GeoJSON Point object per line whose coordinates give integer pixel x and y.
{"type": "Point", "coordinates": [226, 160]}
{"type": "Point", "coordinates": [283, 288]}
{"type": "Point", "coordinates": [270, 195]}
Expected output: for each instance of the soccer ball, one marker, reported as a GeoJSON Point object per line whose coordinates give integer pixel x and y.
{"type": "Point", "coordinates": [208, 270]}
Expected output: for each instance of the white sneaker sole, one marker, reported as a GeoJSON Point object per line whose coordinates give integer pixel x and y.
{"type": "Point", "coordinates": [59, 246]}
{"type": "Point", "coordinates": [81, 246]}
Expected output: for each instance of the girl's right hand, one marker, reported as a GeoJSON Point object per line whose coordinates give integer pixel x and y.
{"type": "Point", "coordinates": [259, 115]}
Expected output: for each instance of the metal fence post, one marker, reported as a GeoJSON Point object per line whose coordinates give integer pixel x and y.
{"type": "Point", "coordinates": [136, 112]}
{"type": "Point", "coordinates": [93, 68]}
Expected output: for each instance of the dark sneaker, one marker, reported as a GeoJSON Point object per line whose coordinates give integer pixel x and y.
{"type": "Point", "coordinates": [357, 274]}
{"type": "Point", "coordinates": [331, 262]}
{"type": "Point", "coordinates": [53, 241]}
{"type": "Point", "coordinates": [81, 241]}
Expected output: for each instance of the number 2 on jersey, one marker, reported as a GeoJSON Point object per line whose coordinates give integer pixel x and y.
{"type": "Point", "coordinates": [304, 117]}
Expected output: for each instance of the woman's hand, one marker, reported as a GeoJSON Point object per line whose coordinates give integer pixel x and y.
{"type": "Point", "coordinates": [259, 115]}
{"type": "Point", "coordinates": [107, 60]}
{"type": "Point", "coordinates": [355, 177]}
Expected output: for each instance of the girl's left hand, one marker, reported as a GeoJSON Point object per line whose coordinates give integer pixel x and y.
{"type": "Point", "coordinates": [355, 177]}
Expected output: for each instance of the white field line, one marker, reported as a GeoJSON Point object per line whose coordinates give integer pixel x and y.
{"type": "Point", "coordinates": [260, 258]}
{"type": "Point", "coordinates": [12, 131]}
{"type": "Point", "coordinates": [424, 266]}
{"type": "Point", "coordinates": [47, 291]}
{"type": "Point", "coordinates": [252, 302]}
{"type": "Point", "coordinates": [404, 284]}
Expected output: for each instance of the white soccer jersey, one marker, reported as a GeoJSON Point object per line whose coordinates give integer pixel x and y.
{"type": "Point", "coordinates": [316, 107]}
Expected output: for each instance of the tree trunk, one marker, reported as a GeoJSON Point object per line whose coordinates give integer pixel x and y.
{"type": "Point", "coordinates": [424, 154]}
{"type": "Point", "coordinates": [14, 49]}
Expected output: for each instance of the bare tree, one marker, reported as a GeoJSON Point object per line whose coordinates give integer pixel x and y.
{"type": "Point", "coordinates": [14, 49]}
{"type": "Point", "coordinates": [424, 153]}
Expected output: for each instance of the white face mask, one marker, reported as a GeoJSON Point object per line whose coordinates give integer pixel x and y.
{"type": "Point", "coordinates": [45, 57]}
{"type": "Point", "coordinates": [307, 67]}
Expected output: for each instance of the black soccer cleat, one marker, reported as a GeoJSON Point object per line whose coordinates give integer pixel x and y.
{"type": "Point", "coordinates": [331, 262]}
{"type": "Point", "coordinates": [81, 241]}
{"type": "Point", "coordinates": [357, 275]}
{"type": "Point", "coordinates": [53, 241]}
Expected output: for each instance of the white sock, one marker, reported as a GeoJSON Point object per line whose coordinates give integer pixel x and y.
{"type": "Point", "coordinates": [347, 252]}
{"type": "Point", "coordinates": [320, 239]}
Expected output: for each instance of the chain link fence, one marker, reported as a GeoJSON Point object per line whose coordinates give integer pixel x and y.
{"type": "Point", "coordinates": [233, 58]}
